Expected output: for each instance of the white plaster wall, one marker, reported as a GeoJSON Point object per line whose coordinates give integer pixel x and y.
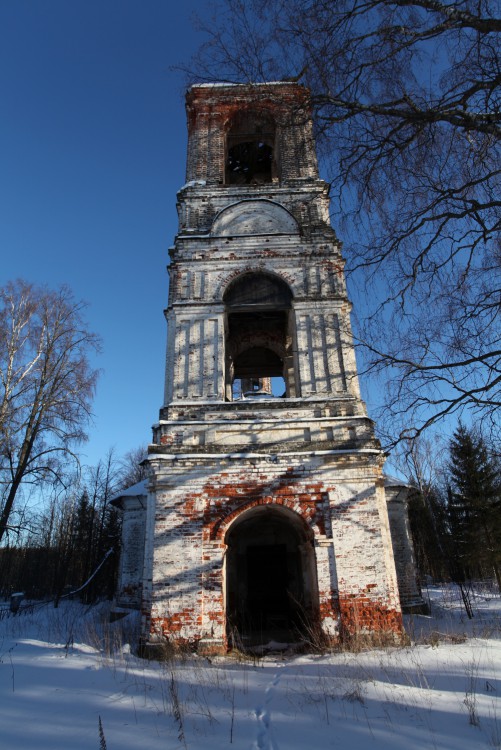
{"type": "Point", "coordinates": [350, 544]}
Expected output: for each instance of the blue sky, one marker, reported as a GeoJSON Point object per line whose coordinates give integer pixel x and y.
{"type": "Point", "coordinates": [92, 153]}
{"type": "Point", "coordinates": [93, 146]}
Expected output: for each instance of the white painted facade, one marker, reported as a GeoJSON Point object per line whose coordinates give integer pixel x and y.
{"type": "Point", "coordinates": [263, 514]}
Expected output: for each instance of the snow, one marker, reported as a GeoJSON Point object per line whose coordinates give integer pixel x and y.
{"type": "Point", "coordinates": [193, 183]}
{"type": "Point", "coordinates": [63, 669]}
{"type": "Point", "coordinates": [391, 481]}
{"type": "Point", "coordinates": [135, 490]}
{"type": "Point", "coordinates": [333, 452]}
{"type": "Point", "coordinates": [263, 420]}
{"type": "Point", "coordinates": [224, 84]}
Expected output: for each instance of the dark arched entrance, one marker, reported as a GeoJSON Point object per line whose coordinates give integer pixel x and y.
{"type": "Point", "coordinates": [271, 591]}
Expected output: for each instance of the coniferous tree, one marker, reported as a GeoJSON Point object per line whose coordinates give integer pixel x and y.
{"type": "Point", "coordinates": [474, 505]}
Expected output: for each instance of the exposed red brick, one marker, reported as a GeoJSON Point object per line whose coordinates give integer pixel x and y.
{"type": "Point", "coordinates": [361, 615]}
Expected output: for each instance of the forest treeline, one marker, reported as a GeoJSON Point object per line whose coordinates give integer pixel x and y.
{"type": "Point", "coordinates": [57, 527]}
{"type": "Point", "coordinates": [454, 513]}
{"type": "Point", "coordinates": [73, 542]}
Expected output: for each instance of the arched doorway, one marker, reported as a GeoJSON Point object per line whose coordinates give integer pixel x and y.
{"type": "Point", "coordinates": [271, 585]}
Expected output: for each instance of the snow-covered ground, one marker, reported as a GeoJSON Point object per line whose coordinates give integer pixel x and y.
{"type": "Point", "coordinates": [64, 671]}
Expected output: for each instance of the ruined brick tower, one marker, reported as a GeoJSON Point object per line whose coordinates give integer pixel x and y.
{"type": "Point", "coordinates": [266, 514]}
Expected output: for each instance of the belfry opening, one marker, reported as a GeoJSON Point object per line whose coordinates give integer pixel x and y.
{"type": "Point", "coordinates": [258, 336]}
{"type": "Point", "coordinates": [271, 592]}
{"type": "Point", "coordinates": [250, 141]}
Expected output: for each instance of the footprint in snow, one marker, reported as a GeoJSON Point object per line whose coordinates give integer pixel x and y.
{"type": "Point", "coordinates": [264, 739]}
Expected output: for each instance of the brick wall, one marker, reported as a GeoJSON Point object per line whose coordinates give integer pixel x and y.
{"type": "Point", "coordinates": [310, 460]}
{"type": "Point", "coordinates": [199, 498]}
{"type": "Point", "coordinates": [210, 110]}
{"type": "Point", "coordinates": [410, 592]}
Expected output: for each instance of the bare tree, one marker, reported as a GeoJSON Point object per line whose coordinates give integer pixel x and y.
{"type": "Point", "coordinates": [47, 384]}
{"type": "Point", "coordinates": [132, 467]}
{"type": "Point", "coordinates": [421, 461]}
{"type": "Point", "coordinates": [406, 98]}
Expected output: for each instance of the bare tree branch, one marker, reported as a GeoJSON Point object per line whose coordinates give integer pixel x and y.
{"type": "Point", "coordinates": [407, 104]}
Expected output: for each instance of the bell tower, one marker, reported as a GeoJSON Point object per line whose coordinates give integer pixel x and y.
{"type": "Point", "coordinates": [266, 513]}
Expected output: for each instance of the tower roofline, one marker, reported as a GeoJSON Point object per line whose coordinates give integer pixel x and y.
{"type": "Point", "coordinates": [223, 84]}
{"type": "Point", "coordinates": [287, 89]}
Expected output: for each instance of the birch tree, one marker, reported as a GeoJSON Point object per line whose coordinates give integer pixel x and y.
{"type": "Point", "coordinates": [46, 387]}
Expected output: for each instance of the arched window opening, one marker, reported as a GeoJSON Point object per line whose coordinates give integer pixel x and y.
{"type": "Point", "coordinates": [259, 338]}
{"type": "Point", "coordinates": [271, 591]}
{"type": "Point", "coordinates": [258, 291]}
{"type": "Point", "coordinates": [250, 143]}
